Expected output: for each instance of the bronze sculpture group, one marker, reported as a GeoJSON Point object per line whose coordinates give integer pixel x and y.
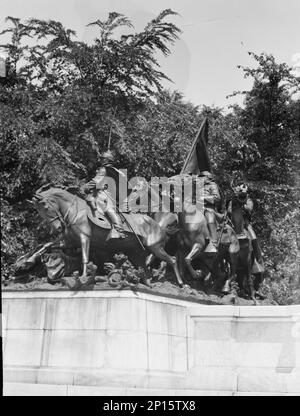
{"type": "Point", "coordinates": [222, 244]}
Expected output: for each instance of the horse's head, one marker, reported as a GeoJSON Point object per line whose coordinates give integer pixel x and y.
{"type": "Point", "coordinates": [48, 209]}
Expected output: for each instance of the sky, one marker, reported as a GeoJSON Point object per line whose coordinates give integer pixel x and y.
{"type": "Point", "coordinates": [216, 35]}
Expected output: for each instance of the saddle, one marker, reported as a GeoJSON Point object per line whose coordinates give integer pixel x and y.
{"type": "Point", "coordinates": [98, 219]}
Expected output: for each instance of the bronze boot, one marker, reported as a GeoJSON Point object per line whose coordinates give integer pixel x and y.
{"type": "Point", "coordinates": [115, 233]}
{"type": "Point", "coordinates": [116, 224]}
{"type": "Point", "coordinates": [212, 245]}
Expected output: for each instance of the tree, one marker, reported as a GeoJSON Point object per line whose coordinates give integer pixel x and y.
{"type": "Point", "coordinates": [270, 121]}
{"type": "Point", "coordinates": [266, 118]}
{"type": "Point", "coordinates": [59, 98]}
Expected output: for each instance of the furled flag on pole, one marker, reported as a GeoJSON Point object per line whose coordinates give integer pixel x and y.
{"type": "Point", "coordinates": [197, 160]}
{"type": "Point", "coordinates": [2, 67]}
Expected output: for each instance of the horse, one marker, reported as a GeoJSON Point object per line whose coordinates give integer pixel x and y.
{"type": "Point", "coordinates": [190, 237]}
{"type": "Point", "coordinates": [71, 215]}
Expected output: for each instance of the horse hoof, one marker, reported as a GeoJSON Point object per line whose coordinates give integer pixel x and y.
{"type": "Point", "coordinates": [260, 296]}
{"type": "Point", "coordinates": [147, 283]}
{"type": "Point", "coordinates": [86, 280]}
{"type": "Point", "coordinates": [226, 288]}
{"type": "Point", "coordinates": [72, 283]}
{"type": "Point", "coordinates": [184, 285]}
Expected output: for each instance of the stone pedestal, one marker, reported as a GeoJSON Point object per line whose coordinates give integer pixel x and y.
{"type": "Point", "coordinates": [126, 343]}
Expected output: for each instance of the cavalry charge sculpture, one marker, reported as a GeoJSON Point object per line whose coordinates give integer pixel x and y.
{"type": "Point", "coordinates": [221, 241]}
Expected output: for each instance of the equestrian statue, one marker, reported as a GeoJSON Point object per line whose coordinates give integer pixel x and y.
{"type": "Point", "coordinates": [217, 238]}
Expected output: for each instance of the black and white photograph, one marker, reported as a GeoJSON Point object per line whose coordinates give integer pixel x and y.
{"type": "Point", "coordinates": [150, 220]}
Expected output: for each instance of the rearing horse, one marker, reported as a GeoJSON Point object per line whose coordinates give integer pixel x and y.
{"type": "Point", "coordinates": [70, 214]}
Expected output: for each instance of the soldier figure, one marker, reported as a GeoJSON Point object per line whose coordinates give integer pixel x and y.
{"type": "Point", "coordinates": [97, 194]}
{"type": "Point", "coordinates": [212, 198]}
{"type": "Point", "coordinates": [241, 191]}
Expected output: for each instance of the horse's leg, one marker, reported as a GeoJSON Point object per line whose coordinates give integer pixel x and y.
{"type": "Point", "coordinates": [233, 261]}
{"type": "Point", "coordinates": [194, 253]}
{"type": "Point", "coordinates": [139, 260]}
{"type": "Point", "coordinates": [85, 249]}
{"type": "Point", "coordinates": [161, 271]}
{"type": "Point", "coordinates": [159, 251]}
{"type": "Point", "coordinates": [180, 262]}
{"type": "Point", "coordinates": [245, 258]}
{"type": "Point", "coordinates": [250, 279]}
{"type": "Point", "coordinates": [150, 260]}
{"type": "Point", "coordinates": [258, 279]}
{"type": "Point", "coordinates": [146, 280]}
{"type": "Point", "coordinates": [234, 252]}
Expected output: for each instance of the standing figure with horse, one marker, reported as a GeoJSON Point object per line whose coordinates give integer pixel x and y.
{"type": "Point", "coordinates": [198, 235]}
{"type": "Point", "coordinates": [248, 264]}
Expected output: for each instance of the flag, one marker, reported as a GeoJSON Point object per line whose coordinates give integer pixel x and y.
{"type": "Point", "coordinates": [197, 160]}
{"type": "Point", "coordinates": [2, 67]}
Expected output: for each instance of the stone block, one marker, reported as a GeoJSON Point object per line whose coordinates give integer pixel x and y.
{"type": "Point", "coordinates": [263, 311]}
{"type": "Point", "coordinates": [194, 392]}
{"type": "Point", "coordinates": [5, 308]}
{"type": "Point", "coordinates": [76, 313]}
{"type": "Point", "coordinates": [213, 329]}
{"type": "Point", "coordinates": [28, 389]}
{"type": "Point", "coordinates": [17, 374]}
{"type": "Point", "coordinates": [149, 392]}
{"type": "Point", "coordinates": [166, 380]}
{"type": "Point", "coordinates": [23, 347]}
{"type": "Point", "coordinates": [163, 318]}
{"type": "Point", "coordinates": [126, 314]}
{"type": "Point", "coordinates": [26, 313]}
{"type": "Point", "coordinates": [111, 377]}
{"type": "Point", "coordinates": [219, 353]}
{"type": "Point", "coordinates": [177, 320]}
{"type": "Point", "coordinates": [159, 351]}
{"type": "Point", "coordinates": [74, 348]}
{"type": "Point", "coordinates": [211, 379]}
{"type": "Point", "coordinates": [95, 391]}
{"type": "Point", "coordinates": [263, 354]}
{"type": "Point", "coordinates": [126, 349]}
{"type": "Point", "coordinates": [263, 330]}
{"type": "Point", "coordinates": [179, 357]}
{"type": "Point", "coordinates": [261, 380]}
{"type": "Point", "coordinates": [55, 375]}
{"type": "Point", "coordinates": [293, 382]}
{"type": "Point", "coordinates": [222, 311]}
{"type": "Point", "coordinates": [157, 317]}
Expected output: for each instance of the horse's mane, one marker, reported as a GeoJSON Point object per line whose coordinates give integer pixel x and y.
{"type": "Point", "coordinates": [57, 193]}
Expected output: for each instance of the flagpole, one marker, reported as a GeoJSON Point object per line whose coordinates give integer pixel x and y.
{"type": "Point", "coordinates": [193, 146]}
{"type": "Point", "coordinates": [110, 130]}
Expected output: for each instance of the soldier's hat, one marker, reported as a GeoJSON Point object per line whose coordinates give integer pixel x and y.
{"type": "Point", "coordinates": [108, 155]}
{"type": "Point", "coordinates": [241, 188]}
{"type": "Point", "coordinates": [206, 174]}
